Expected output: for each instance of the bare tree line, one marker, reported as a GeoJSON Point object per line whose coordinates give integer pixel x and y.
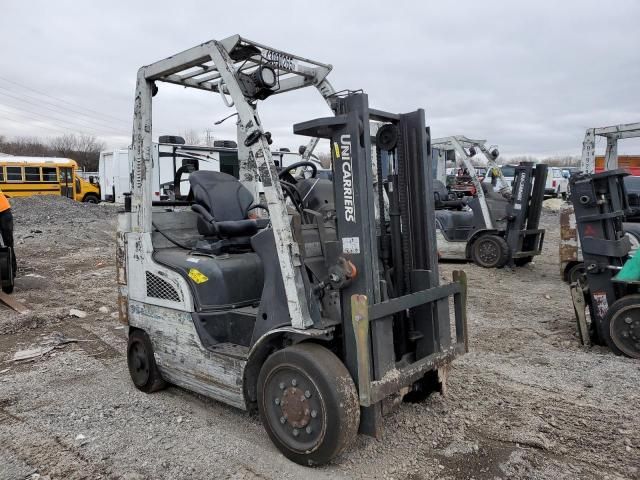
{"type": "Point", "coordinates": [556, 161]}
{"type": "Point", "coordinates": [84, 149]}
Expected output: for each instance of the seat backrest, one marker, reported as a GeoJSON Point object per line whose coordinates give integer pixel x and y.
{"type": "Point", "coordinates": [221, 194]}
{"type": "Point", "coordinates": [441, 190]}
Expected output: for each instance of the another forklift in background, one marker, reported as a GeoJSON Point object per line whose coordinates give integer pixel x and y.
{"type": "Point", "coordinates": [609, 289]}
{"type": "Point", "coordinates": [505, 232]}
{"type": "Point", "coordinates": [571, 260]}
{"type": "Point", "coordinates": [318, 313]}
{"type": "Point", "coordinates": [491, 228]}
{"type": "Point", "coordinates": [461, 151]}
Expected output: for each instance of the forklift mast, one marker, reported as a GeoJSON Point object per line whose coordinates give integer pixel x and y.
{"type": "Point", "coordinates": [600, 204]}
{"type": "Point", "coordinates": [612, 134]}
{"type": "Point", "coordinates": [380, 296]}
{"type": "Point", "coordinates": [525, 206]}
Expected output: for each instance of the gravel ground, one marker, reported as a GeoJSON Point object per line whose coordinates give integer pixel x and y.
{"type": "Point", "coordinates": [526, 402]}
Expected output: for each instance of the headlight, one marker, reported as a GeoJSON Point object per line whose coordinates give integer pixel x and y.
{"type": "Point", "coordinates": [265, 77]}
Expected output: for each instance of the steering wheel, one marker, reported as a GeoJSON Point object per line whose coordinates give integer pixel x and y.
{"type": "Point", "coordinates": [286, 171]}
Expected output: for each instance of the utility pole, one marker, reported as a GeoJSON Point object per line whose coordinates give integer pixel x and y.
{"type": "Point", "coordinates": [209, 137]}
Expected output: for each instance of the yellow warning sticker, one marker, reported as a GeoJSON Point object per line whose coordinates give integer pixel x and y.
{"type": "Point", "coordinates": [197, 276]}
{"type": "Point", "coordinates": [336, 148]}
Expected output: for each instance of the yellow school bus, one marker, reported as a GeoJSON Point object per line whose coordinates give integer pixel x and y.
{"type": "Point", "coordinates": [26, 176]}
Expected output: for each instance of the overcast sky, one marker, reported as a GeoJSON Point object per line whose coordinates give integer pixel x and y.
{"type": "Point", "coordinates": [528, 76]}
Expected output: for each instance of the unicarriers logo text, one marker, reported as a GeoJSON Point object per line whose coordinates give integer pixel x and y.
{"type": "Point", "coordinates": [347, 179]}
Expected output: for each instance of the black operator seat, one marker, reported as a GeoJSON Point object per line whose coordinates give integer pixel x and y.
{"type": "Point", "coordinates": [443, 199]}
{"type": "Point", "coordinates": [223, 204]}
{"type": "Point", "coordinates": [497, 205]}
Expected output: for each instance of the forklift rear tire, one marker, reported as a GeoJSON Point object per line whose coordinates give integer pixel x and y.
{"type": "Point", "coordinates": [308, 403]}
{"type": "Point", "coordinates": [142, 364]}
{"type": "Point", "coordinates": [490, 251]}
{"type": "Point", "coordinates": [621, 326]}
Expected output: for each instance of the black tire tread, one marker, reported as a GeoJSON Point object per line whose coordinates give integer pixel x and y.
{"type": "Point", "coordinates": [625, 301]}
{"type": "Point", "coordinates": [505, 254]}
{"type": "Point", "coordinates": [155, 381]}
{"type": "Point", "coordinates": [338, 390]}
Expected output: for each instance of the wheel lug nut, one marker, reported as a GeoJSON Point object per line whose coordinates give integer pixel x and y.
{"type": "Point", "coordinates": [294, 382]}
{"type": "Point", "coordinates": [277, 401]}
{"type": "Point", "coordinates": [314, 414]}
{"type": "Point", "coordinates": [282, 420]}
{"type": "Point", "coordinates": [308, 429]}
{"type": "Point", "coordinates": [295, 432]}
{"type": "Point", "coordinates": [307, 393]}
{"type": "Point", "coordinates": [627, 321]}
{"type": "Point", "coordinates": [281, 385]}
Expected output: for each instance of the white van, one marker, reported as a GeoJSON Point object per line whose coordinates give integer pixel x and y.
{"type": "Point", "coordinates": [115, 176]}
{"type": "Point", "coordinates": [557, 183]}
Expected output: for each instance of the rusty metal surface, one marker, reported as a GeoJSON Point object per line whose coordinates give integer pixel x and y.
{"type": "Point", "coordinates": [360, 319]}
{"type": "Point", "coordinates": [372, 392]}
{"type": "Point", "coordinates": [13, 303]}
{"type": "Point", "coordinates": [183, 360]}
{"type": "Point", "coordinates": [579, 306]}
{"type": "Point", "coordinates": [569, 246]}
{"type": "Point", "coordinates": [123, 306]}
{"type": "Point", "coordinates": [395, 379]}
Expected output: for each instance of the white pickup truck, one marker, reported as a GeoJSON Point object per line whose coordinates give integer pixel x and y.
{"type": "Point", "coordinates": [557, 183]}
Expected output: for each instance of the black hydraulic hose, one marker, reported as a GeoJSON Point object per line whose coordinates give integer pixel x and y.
{"type": "Point", "coordinates": [404, 212]}
{"type": "Point", "coordinates": [384, 237]}
{"type": "Point", "coordinates": [380, 190]}
{"type": "Point", "coordinates": [396, 235]}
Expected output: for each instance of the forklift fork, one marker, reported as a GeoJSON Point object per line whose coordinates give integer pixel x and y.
{"type": "Point", "coordinates": [579, 306]}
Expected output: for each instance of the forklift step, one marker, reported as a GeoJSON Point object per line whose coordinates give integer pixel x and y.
{"type": "Point", "coordinates": [231, 350]}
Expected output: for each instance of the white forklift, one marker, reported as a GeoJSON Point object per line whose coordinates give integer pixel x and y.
{"type": "Point", "coordinates": [491, 228]}
{"type": "Point", "coordinates": [308, 307]}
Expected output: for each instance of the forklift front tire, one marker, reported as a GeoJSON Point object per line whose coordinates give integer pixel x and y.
{"type": "Point", "coordinates": [490, 251]}
{"type": "Point", "coordinates": [621, 326]}
{"type": "Point", "coordinates": [308, 403]}
{"type": "Point", "coordinates": [142, 364]}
